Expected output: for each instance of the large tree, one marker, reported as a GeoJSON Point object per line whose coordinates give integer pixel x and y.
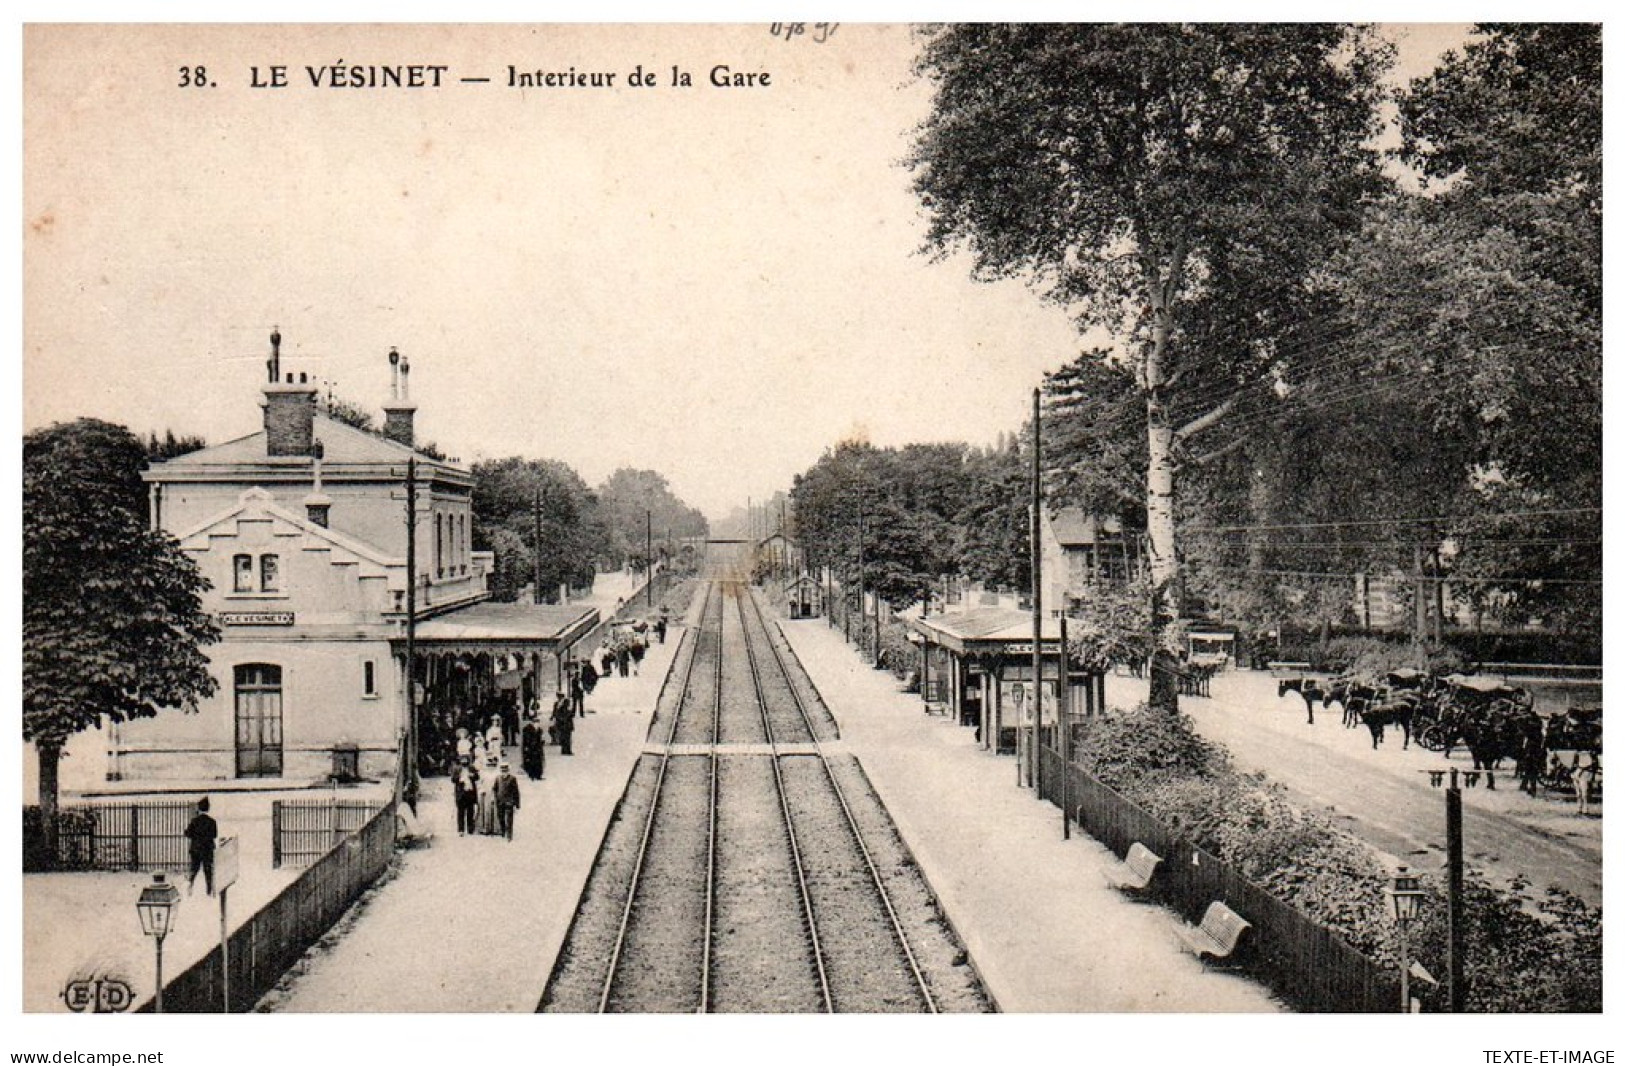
{"type": "Point", "coordinates": [113, 624]}
{"type": "Point", "coordinates": [1173, 185]}
{"type": "Point", "coordinates": [537, 516]}
{"type": "Point", "coordinates": [638, 505]}
{"type": "Point", "coordinates": [1501, 259]}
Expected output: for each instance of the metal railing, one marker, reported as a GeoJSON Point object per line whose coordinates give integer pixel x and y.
{"type": "Point", "coordinates": [1304, 962]}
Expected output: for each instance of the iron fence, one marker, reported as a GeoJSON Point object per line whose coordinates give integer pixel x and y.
{"type": "Point", "coordinates": [123, 836]}
{"type": "Point", "coordinates": [1304, 962]}
{"type": "Point", "coordinates": [266, 945]}
{"type": "Point", "coordinates": [304, 830]}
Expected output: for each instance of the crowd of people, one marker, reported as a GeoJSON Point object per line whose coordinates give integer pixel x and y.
{"type": "Point", "coordinates": [483, 786]}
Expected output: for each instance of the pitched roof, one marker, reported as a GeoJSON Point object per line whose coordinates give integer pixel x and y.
{"type": "Point", "coordinates": [987, 624]}
{"type": "Point", "coordinates": [342, 445]}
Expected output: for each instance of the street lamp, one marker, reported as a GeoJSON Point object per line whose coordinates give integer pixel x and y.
{"type": "Point", "coordinates": [156, 906]}
{"type": "Point", "coordinates": [1405, 894]}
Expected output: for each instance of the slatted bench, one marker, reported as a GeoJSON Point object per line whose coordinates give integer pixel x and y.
{"type": "Point", "coordinates": [1219, 934]}
{"type": "Point", "coordinates": [1134, 873]}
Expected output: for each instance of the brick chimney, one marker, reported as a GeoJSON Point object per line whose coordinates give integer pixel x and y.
{"type": "Point", "coordinates": [400, 409]}
{"type": "Point", "coordinates": [290, 408]}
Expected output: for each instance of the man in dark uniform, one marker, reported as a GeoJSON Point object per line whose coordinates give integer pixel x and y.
{"type": "Point", "coordinates": [505, 794]}
{"type": "Point", "coordinates": [465, 784]}
{"type": "Point", "coordinates": [532, 749]}
{"type": "Point", "coordinates": [200, 835]}
{"type": "Point", "coordinates": [564, 723]}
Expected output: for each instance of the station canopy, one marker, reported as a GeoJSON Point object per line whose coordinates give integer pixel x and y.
{"type": "Point", "coordinates": [984, 629]}
{"type": "Point", "coordinates": [507, 628]}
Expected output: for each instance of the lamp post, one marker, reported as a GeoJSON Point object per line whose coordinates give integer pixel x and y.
{"type": "Point", "coordinates": [156, 906]}
{"type": "Point", "coordinates": [1405, 894]}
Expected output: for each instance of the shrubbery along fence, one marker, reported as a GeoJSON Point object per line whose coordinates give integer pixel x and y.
{"type": "Point", "coordinates": [1302, 961]}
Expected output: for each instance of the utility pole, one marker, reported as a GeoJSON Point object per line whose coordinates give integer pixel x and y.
{"type": "Point", "coordinates": [411, 615]}
{"type": "Point", "coordinates": [1457, 941]}
{"type": "Point", "coordinates": [536, 547]}
{"type": "Point", "coordinates": [649, 558]}
{"type": "Point", "coordinates": [863, 610]}
{"type": "Point", "coordinates": [1063, 722]}
{"type": "Point", "coordinates": [1036, 552]}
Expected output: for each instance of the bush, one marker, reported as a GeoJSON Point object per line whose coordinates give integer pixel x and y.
{"type": "Point", "coordinates": [1126, 749]}
{"type": "Point", "coordinates": [896, 653]}
{"type": "Point", "coordinates": [1523, 954]}
{"type": "Point", "coordinates": [37, 856]}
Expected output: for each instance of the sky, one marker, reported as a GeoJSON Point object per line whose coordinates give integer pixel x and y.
{"type": "Point", "coordinates": [715, 283]}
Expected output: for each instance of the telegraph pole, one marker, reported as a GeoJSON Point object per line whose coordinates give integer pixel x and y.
{"type": "Point", "coordinates": [411, 614]}
{"type": "Point", "coordinates": [536, 552]}
{"type": "Point", "coordinates": [1457, 940]}
{"type": "Point", "coordinates": [648, 558]}
{"type": "Point", "coordinates": [863, 610]}
{"type": "Point", "coordinates": [1063, 725]}
{"type": "Point", "coordinates": [1036, 552]}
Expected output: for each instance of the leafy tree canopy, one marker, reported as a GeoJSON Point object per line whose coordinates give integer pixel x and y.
{"type": "Point", "coordinates": [113, 625]}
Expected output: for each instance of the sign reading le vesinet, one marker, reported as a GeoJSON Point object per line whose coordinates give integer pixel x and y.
{"type": "Point", "coordinates": [256, 618]}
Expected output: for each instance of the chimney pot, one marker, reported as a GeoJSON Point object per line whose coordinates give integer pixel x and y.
{"type": "Point", "coordinates": [399, 411]}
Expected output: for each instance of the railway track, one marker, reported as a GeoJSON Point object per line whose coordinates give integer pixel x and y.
{"type": "Point", "coordinates": [747, 870]}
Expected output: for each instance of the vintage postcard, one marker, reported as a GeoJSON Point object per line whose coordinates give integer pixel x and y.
{"type": "Point", "coordinates": [1091, 520]}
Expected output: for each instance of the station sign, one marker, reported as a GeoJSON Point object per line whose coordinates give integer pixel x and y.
{"type": "Point", "coordinates": [256, 618]}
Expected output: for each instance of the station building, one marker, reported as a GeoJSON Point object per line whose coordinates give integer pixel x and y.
{"type": "Point", "coordinates": [301, 529]}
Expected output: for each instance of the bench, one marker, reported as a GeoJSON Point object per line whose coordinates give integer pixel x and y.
{"type": "Point", "coordinates": [1134, 873]}
{"type": "Point", "coordinates": [1218, 935]}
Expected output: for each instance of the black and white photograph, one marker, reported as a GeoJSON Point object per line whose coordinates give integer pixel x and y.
{"type": "Point", "coordinates": [1084, 519]}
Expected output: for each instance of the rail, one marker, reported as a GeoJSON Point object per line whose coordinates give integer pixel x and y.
{"type": "Point", "coordinates": [784, 808]}
{"type": "Point", "coordinates": [846, 810]}
{"type": "Point", "coordinates": [649, 826]}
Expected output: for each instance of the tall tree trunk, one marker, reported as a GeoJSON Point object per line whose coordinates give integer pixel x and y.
{"type": "Point", "coordinates": [1161, 290]}
{"type": "Point", "coordinates": [50, 757]}
{"type": "Point", "coordinates": [1159, 522]}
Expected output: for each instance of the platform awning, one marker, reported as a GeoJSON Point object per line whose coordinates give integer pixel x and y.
{"type": "Point", "coordinates": [1001, 630]}
{"type": "Point", "coordinates": [506, 628]}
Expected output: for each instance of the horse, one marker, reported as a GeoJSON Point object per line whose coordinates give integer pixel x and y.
{"type": "Point", "coordinates": [1307, 687]}
{"type": "Point", "coordinates": [1354, 694]}
{"type": "Point", "coordinates": [1585, 778]}
{"type": "Point", "coordinates": [1396, 710]}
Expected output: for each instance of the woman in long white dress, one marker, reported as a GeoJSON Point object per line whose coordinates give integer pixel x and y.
{"type": "Point", "coordinates": [486, 813]}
